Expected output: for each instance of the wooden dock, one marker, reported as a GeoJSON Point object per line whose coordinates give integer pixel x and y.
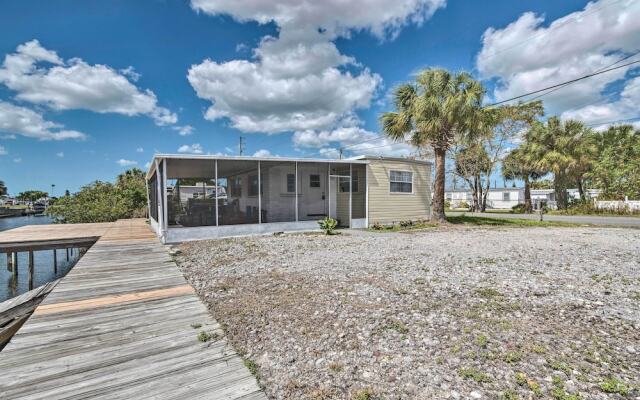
{"type": "Point", "coordinates": [119, 326]}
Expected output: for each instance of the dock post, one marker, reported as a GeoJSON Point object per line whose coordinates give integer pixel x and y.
{"type": "Point", "coordinates": [9, 263]}
{"type": "Point", "coordinates": [30, 273]}
{"type": "Point", "coordinates": [14, 263]}
{"type": "Point", "coordinates": [55, 261]}
{"type": "Point", "coordinates": [67, 253]}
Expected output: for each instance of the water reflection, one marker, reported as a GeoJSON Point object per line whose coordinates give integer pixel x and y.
{"type": "Point", "coordinates": [43, 270]}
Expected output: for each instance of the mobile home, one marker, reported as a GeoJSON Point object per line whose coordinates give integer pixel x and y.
{"type": "Point", "coordinates": [201, 197]}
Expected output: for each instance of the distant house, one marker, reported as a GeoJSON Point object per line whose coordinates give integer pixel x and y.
{"type": "Point", "coordinates": [548, 196]}
{"type": "Point", "coordinates": [497, 198]}
{"type": "Point", "coordinates": [507, 198]}
{"type": "Point", "coordinates": [200, 197]}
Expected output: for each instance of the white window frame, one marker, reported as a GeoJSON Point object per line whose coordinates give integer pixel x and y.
{"type": "Point", "coordinates": [412, 182]}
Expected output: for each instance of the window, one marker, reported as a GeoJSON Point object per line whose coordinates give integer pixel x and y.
{"type": "Point", "coordinates": [401, 182]}
{"type": "Point", "coordinates": [506, 196]}
{"type": "Point", "coordinates": [344, 184]}
{"type": "Point", "coordinates": [236, 187]}
{"type": "Point", "coordinates": [314, 180]}
{"type": "Point", "coordinates": [253, 185]}
{"type": "Point", "coordinates": [291, 183]}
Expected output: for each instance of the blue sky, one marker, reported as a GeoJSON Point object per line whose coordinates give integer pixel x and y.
{"type": "Point", "coordinates": [107, 84]}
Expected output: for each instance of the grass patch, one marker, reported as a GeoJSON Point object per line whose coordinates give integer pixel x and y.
{"type": "Point", "coordinates": [396, 325]}
{"type": "Point", "coordinates": [614, 385]}
{"type": "Point", "coordinates": [509, 394]}
{"type": "Point", "coordinates": [516, 222]}
{"type": "Point", "coordinates": [512, 357]}
{"type": "Point", "coordinates": [475, 374]}
{"type": "Point", "coordinates": [488, 293]}
{"type": "Point", "coordinates": [402, 227]}
{"type": "Point", "coordinates": [364, 394]}
{"type": "Point", "coordinates": [207, 336]}
{"type": "Point", "coordinates": [481, 341]}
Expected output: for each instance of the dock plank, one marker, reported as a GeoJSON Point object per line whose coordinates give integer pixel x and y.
{"type": "Point", "coordinates": [118, 326]}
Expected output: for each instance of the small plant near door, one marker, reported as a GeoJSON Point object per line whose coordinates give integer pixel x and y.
{"type": "Point", "coordinates": [328, 225]}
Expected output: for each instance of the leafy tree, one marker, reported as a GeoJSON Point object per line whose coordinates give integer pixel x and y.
{"type": "Point", "coordinates": [104, 201]}
{"type": "Point", "coordinates": [502, 126]}
{"type": "Point", "coordinates": [471, 164]}
{"type": "Point", "coordinates": [32, 195]}
{"type": "Point", "coordinates": [566, 149]}
{"type": "Point", "coordinates": [616, 169]}
{"type": "Point", "coordinates": [436, 110]}
{"type": "Point", "coordinates": [132, 189]}
{"type": "Point", "coordinates": [3, 188]}
{"type": "Point", "coordinates": [516, 166]}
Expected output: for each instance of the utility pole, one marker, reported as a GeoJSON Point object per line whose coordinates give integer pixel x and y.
{"type": "Point", "coordinates": [341, 150]}
{"type": "Point", "coordinates": [241, 145]}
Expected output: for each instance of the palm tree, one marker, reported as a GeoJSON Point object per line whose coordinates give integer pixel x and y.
{"type": "Point", "coordinates": [436, 110]}
{"type": "Point", "coordinates": [516, 166]}
{"type": "Point", "coordinates": [565, 149]}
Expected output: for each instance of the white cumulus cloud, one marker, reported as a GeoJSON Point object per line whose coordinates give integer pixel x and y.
{"type": "Point", "coordinates": [60, 154]}
{"type": "Point", "coordinates": [28, 123]}
{"type": "Point", "coordinates": [599, 115]}
{"type": "Point", "coordinates": [299, 81]}
{"type": "Point", "coordinates": [263, 153]}
{"type": "Point", "coordinates": [126, 163]}
{"type": "Point", "coordinates": [528, 54]}
{"type": "Point", "coordinates": [336, 17]}
{"type": "Point", "coordinates": [40, 76]}
{"type": "Point", "coordinates": [195, 148]}
{"type": "Point", "coordinates": [3, 151]}
{"type": "Point", "coordinates": [185, 130]}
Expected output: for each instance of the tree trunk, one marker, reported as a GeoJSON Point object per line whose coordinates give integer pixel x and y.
{"type": "Point", "coordinates": [527, 196]}
{"type": "Point", "coordinates": [484, 191]}
{"type": "Point", "coordinates": [475, 206]}
{"type": "Point", "coordinates": [560, 190]}
{"type": "Point", "coordinates": [581, 191]}
{"type": "Point", "coordinates": [437, 205]}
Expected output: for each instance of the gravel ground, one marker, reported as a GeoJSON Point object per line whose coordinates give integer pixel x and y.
{"type": "Point", "coordinates": [512, 313]}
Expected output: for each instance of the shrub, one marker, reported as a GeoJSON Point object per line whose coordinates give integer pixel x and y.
{"type": "Point", "coordinates": [406, 224]}
{"type": "Point", "coordinates": [328, 225]}
{"type": "Point", "coordinates": [377, 226]}
{"type": "Point", "coordinates": [518, 209]}
{"type": "Point", "coordinates": [463, 204]}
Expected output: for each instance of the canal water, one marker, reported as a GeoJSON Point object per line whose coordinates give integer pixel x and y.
{"type": "Point", "coordinates": [43, 261]}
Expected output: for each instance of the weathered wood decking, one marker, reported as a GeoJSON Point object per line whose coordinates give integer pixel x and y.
{"type": "Point", "coordinates": [118, 326]}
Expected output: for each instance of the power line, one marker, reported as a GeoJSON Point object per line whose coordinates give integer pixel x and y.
{"type": "Point", "coordinates": [608, 66]}
{"type": "Point", "coordinates": [550, 89]}
{"type": "Point", "coordinates": [613, 122]}
{"type": "Point", "coordinates": [562, 84]}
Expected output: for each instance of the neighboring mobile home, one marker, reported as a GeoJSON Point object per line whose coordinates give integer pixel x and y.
{"type": "Point", "coordinates": [497, 198]}
{"type": "Point", "coordinates": [201, 197]}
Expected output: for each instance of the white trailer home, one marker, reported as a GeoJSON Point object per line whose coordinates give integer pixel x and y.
{"type": "Point", "coordinates": [497, 198]}
{"type": "Point", "coordinates": [201, 197]}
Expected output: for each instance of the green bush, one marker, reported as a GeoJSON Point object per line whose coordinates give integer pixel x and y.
{"type": "Point", "coordinates": [463, 204]}
{"type": "Point", "coordinates": [104, 201]}
{"type": "Point", "coordinates": [518, 209]}
{"type": "Point", "coordinates": [328, 225]}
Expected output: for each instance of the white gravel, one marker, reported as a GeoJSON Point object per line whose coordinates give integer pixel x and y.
{"type": "Point", "coordinates": [512, 313]}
